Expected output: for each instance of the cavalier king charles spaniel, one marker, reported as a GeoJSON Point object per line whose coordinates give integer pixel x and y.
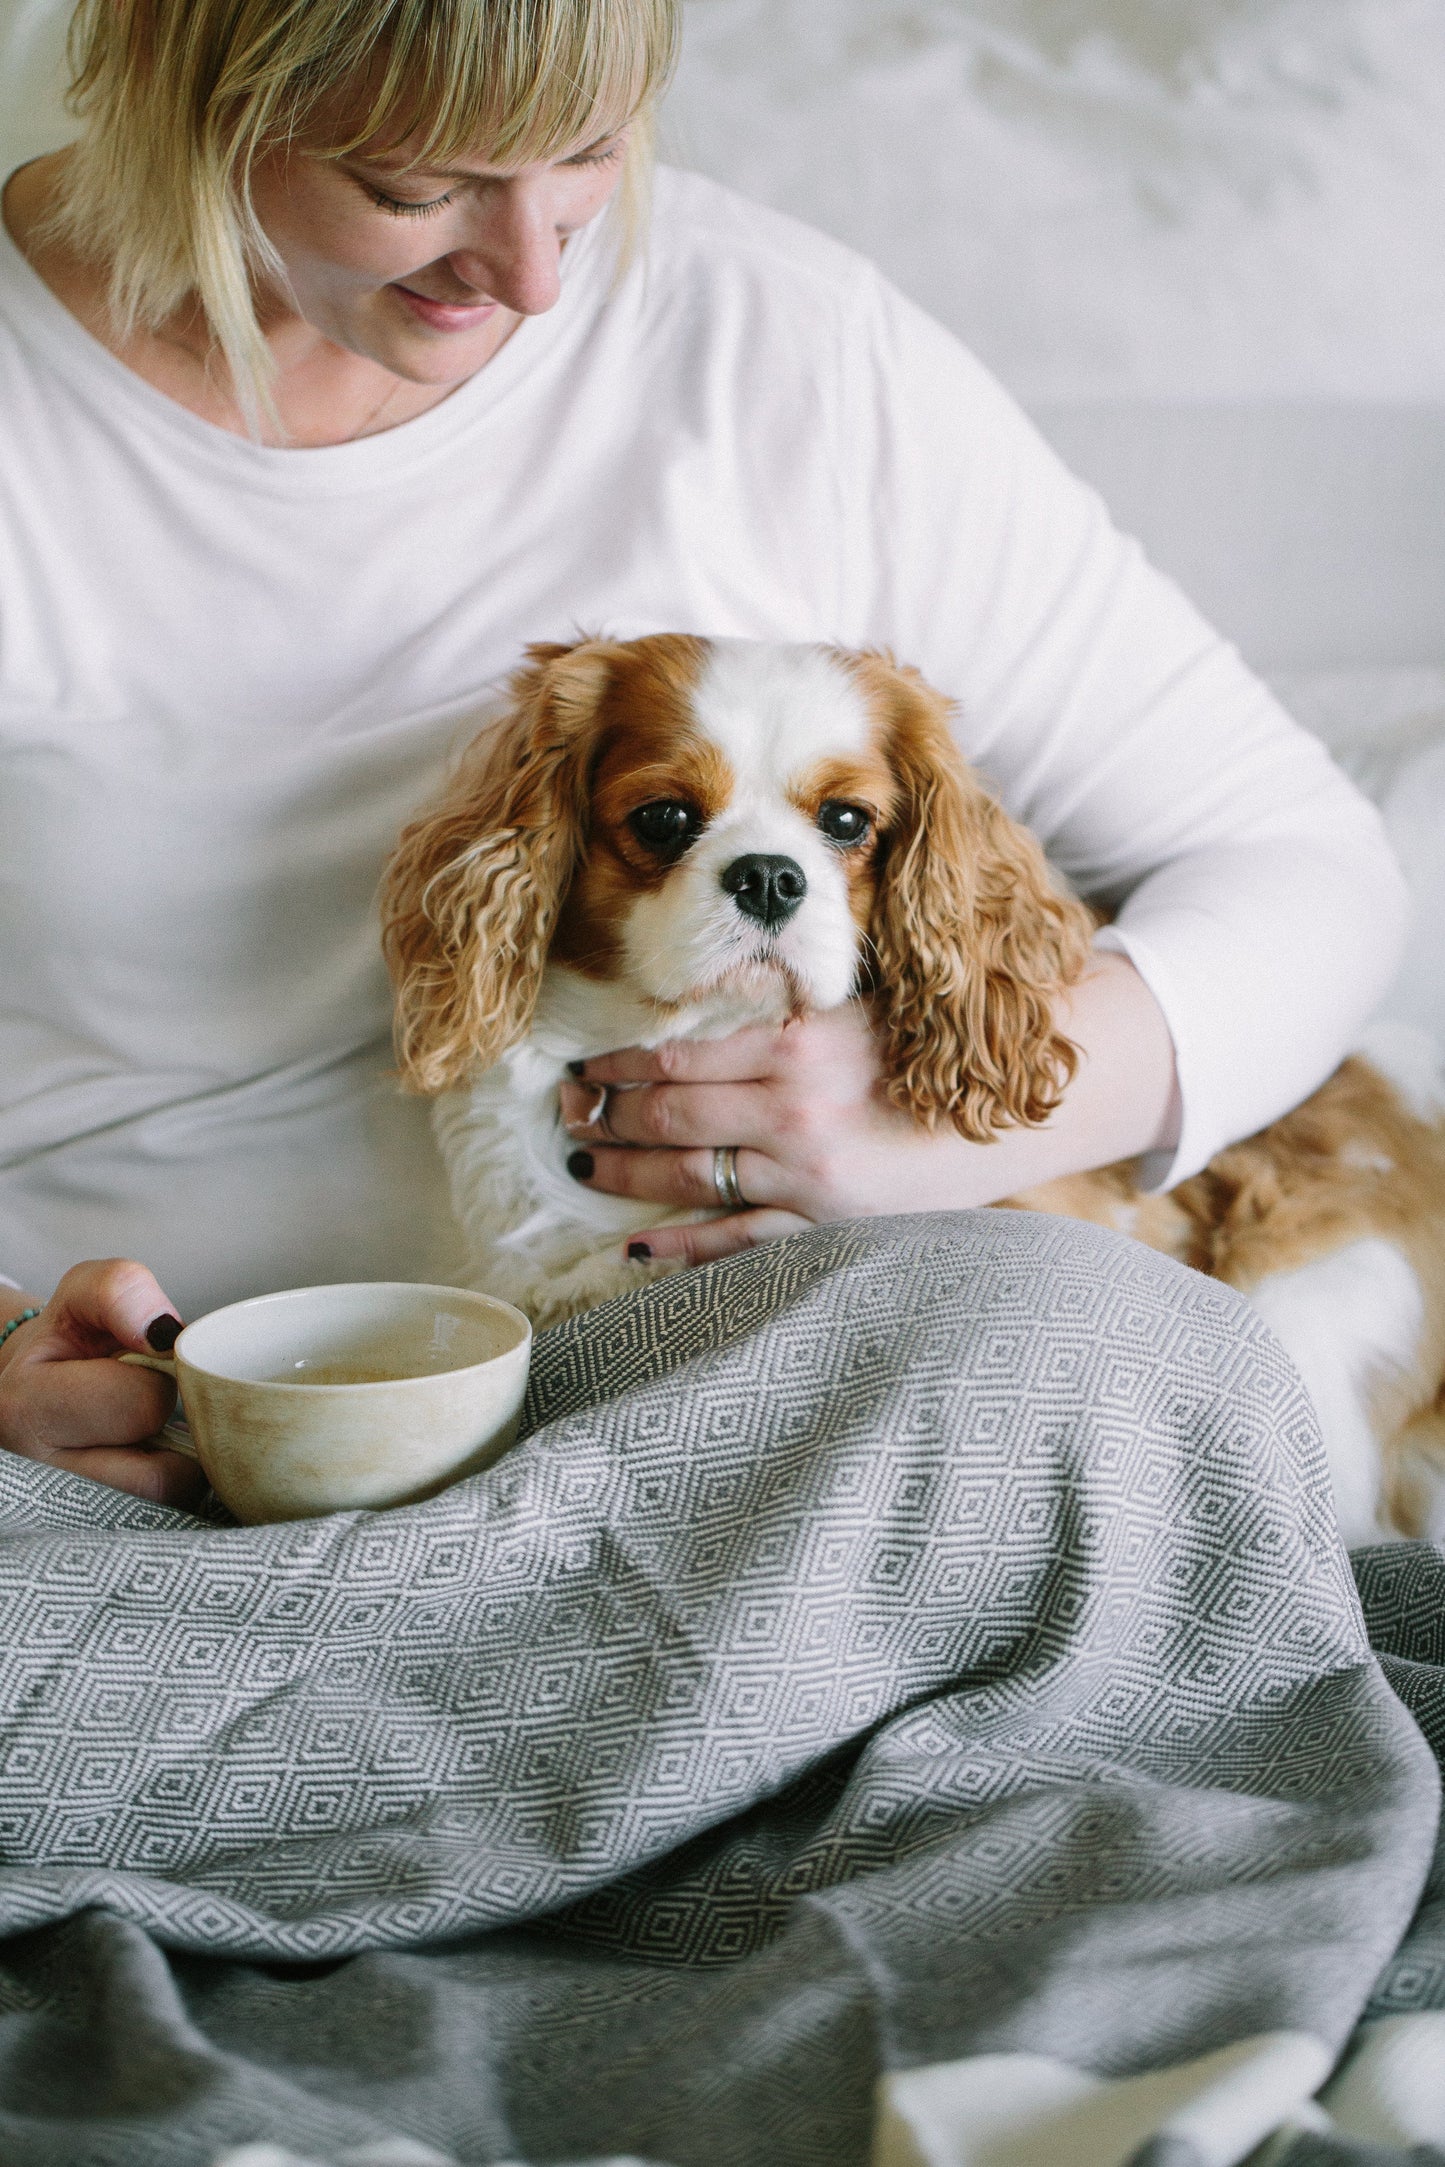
{"type": "Point", "coordinates": [674, 837]}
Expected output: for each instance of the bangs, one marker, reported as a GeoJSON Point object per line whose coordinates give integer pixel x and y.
{"type": "Point", "coordinates": [444, 79]}
{"type": "Point", "coordinates": [180, 98]}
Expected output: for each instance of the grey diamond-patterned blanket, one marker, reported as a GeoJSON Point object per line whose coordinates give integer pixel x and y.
{"type": "Point", "coordinates": [917, 1640]}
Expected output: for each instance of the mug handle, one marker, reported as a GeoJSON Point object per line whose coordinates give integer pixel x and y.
{"type": "Point", "coordinates": [164, 1365]}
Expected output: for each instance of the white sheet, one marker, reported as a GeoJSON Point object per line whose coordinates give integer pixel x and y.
{"type": "Point", "coordinates": [1387, 729]}
{"type": "Point", "coordinates": [1109, 198]}
{"type": "Point", "coordinates": [1204, 198]}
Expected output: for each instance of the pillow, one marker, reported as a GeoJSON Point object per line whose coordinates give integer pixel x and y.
{"type": "Point", "coordinates": [1172, 198]}
{"type": "Point", "coordinates": [1387, 729]}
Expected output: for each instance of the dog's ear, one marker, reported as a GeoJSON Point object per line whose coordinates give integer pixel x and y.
{"type": "Point", "coordinates": [972, 944]}
{"type": "Point", "coordinates": [471, 896]}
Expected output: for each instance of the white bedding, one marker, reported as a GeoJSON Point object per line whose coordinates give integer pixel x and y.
{"type": "Point", "coordinates": [1200, 199]}
{"type": "Point", "coordinates": [1387, 729]}
{"type": "Point", "coordinates": [1050, 175]}
{"type": "Point", "coordinates": [1205, 199]}
{"type": "Point", "coordinates": [1201, 238]}
{"type": "Point", "coordinates": [1205, 238]}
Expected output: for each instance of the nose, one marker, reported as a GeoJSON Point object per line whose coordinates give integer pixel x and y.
{"type": "Point", "coordinates": [516, 252]}
{"type": "Point", "coordinates": [768, 889]}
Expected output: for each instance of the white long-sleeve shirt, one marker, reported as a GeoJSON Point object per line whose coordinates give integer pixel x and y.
{"type": "Point", "coordinates": [228, 673]}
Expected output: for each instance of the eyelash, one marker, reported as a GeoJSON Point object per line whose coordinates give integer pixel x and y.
{"type": "Point", "coordinates": [399, 209]}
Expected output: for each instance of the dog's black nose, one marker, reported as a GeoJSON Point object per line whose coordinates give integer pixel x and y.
{"type": "Point", "coordinates": [768, 889]}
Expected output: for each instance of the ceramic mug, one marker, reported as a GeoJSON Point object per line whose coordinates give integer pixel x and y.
{"type": "Point", "coordinates": [323, 1399]}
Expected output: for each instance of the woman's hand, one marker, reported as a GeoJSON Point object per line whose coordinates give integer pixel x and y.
{"type": "Point", "coordinates": [817, 1140]}
{"type": "Point", "coordinates": [64, 1399]}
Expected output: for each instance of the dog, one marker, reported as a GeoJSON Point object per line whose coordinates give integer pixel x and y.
{"type": "Point", "coordinates": [675, 837]}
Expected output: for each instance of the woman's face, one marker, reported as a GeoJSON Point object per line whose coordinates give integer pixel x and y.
{"type": "Point", "coordinates": [426, 271]}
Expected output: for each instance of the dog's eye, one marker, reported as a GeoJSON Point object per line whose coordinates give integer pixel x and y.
{"type": "Point", "coordinates": [665, 826]}
{"type": "Point", "coordinates": [845, 824]}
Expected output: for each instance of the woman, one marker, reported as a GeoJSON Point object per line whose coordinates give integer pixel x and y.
{"type": "Point", "coordinates": [325, 385]}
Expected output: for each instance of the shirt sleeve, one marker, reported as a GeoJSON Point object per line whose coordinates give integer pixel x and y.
{"type": "Point", "coordinates": [1247, 880]}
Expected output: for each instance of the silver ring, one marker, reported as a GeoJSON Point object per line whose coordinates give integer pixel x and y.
{"type": "Point", "coordinates": [725, 1178]}
{"type": "Point", "coordinates": [597, 1120]}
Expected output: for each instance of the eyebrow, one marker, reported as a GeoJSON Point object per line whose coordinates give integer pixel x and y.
{"type": "Point", "coordinates": [462, 173]}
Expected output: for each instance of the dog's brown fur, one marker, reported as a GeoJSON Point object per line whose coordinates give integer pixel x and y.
{"type": "Point", "coordinates": [525, 858]}
{"type": "Point", "coordinates": [1351, 1164]}
{"type": "Point", "coordinates": [967, 947]}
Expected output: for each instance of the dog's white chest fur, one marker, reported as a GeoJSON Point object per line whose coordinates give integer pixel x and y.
{"type": "Point", "coordinates": [533, 1235]}
{"type": "Point", "coordinates": [721, 833]}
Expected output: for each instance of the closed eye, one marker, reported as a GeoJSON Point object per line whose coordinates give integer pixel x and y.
{"type": "Point", "coordinates": [667, 827]}
{"type": "Point", "coordinates": [400, 208]}
{"type": "Point", "coordinates": [846, 825]}
{"type": "Point", "coordinates": [605, 153]}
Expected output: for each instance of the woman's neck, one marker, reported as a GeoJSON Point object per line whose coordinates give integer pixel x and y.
{"type": "Point", "coordinates": [322, 393]}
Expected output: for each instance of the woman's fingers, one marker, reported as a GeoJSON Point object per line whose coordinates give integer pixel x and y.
{"type": "Point", "coordinates": [747, 1057]}
{"type": "Point", "coordinates": [103, 1307]}
{"type": "Point", "coordinates": [799, 1103]}
{"type": "Point", "coordinates": [90, 1417]}
{"type": "Point", "coordinates": [64, 1399]}
{"type": "Point", "coordinates": [704, 1241]}
{"type": "Point", "coordinates": [681, 1178]}
{"type": "Point", "coordinates": [667, 1116]}
{"type": "Point", "coordinates": [161, 1477]}
{"type": "Point", "coordinates": [55, 1408]}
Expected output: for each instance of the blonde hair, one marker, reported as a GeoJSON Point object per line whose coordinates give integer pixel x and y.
{"type": "Point", "coordinates": [180, 97]}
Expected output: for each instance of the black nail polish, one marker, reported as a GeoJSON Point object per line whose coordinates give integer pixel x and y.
{"type": "Point", "coordinates": [638, 1253]}
{"type": "Point", "coordinates": [581, 1165]}
{"type": "Point", "coordinates": [576, 1068]}
{"type": "Point", "coordinates": [163, 1332]}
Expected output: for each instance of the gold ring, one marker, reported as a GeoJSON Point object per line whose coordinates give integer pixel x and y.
{"type": "Point", "coordinates": [725, 1178]}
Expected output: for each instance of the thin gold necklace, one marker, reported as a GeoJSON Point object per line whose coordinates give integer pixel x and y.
{"type": "Point", "coordinates": [201, 358]}
{"type": "Point", "coordinates": [368, 425]}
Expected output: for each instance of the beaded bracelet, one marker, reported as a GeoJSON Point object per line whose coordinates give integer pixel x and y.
{"type": "Point", "coordinates": [15, 1323]}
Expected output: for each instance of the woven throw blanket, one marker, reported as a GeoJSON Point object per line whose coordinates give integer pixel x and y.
{"type": "Point", "coordinates": [920, 1643]}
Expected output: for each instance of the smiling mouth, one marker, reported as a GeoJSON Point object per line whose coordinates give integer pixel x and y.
{"type": "Point", "coordinates": [444, 315]}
